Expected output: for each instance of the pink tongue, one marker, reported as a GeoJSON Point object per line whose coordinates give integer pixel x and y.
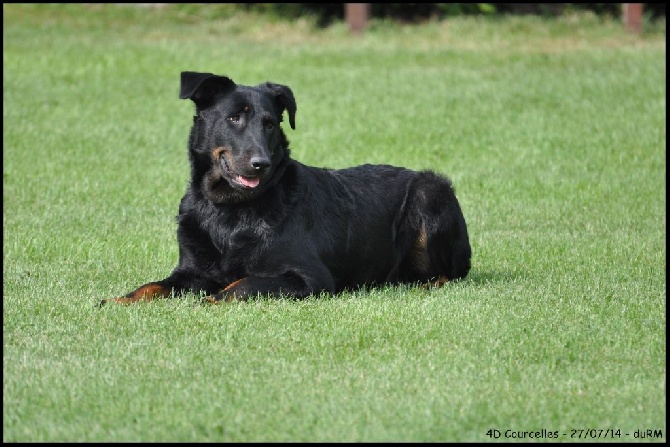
{"type": "Point", "coordinates": [249, 182]}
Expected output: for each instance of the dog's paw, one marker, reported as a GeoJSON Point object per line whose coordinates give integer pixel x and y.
{"type": "Point", "coordinates": [218, 298]}
{"type": "Point", "coordinates": [121, 300]}
{"type": "Point", "coordinates": [108, 300]}
{"type": "Point", "coordinates": [226, 295]}
{"type": "Point", "coordinates": [439, 282]}
{"type": "Point", "coordinates": [209, 300]}
{"type": "Point", "coordinates": [146, 293]}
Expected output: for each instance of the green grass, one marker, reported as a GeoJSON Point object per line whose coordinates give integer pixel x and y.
{"type": "Point", "coordinates": [553, 132]}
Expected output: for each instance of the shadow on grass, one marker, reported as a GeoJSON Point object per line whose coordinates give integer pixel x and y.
{"type": "Point", "coordinates": [475, 277]}
{"type": "Point", "coordinates": [480, 277]}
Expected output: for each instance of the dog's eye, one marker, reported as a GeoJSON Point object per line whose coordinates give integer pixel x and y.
{"type": "Point", "coordinates": [234, 119]}
{"type": "Point", "coordinates": [269, 125]}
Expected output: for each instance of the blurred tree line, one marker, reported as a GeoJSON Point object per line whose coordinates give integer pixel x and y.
{"type": "Point", "coordinates": [326, 13]}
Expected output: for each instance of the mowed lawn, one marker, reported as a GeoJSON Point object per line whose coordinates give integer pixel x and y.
{"type": "Point", "coordinates": [552, 131]}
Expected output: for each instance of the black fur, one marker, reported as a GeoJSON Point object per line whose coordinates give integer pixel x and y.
{"type": "Point", "coordinates": [254, 221]}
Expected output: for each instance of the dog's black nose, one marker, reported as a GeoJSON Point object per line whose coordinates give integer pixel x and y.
{"type": "Point", "coordinates": [260, 163]}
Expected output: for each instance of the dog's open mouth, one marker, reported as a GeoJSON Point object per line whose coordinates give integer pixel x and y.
{"type": "Point", "coordinates": [249, 182]}
{"type": "Point", "coordinates": [245, 181]}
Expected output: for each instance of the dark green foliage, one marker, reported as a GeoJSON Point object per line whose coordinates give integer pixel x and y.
{"type": "Point", "coordinates": [326, 13]}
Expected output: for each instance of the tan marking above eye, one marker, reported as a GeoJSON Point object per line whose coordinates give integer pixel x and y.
{"type": "Point", "coordinates": [216, 153]}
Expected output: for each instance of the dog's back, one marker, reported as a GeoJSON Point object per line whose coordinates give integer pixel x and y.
{"type": "Point", "coordinates": [407, 226]}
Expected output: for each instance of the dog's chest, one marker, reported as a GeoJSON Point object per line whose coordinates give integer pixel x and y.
{"type": "Point", "coordinates": [239, 239]}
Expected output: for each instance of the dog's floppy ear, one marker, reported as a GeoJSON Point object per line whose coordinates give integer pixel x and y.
{"type": "Point", "coordinates": [285, 98]}
{"type": "Point", "coordinates": [202, 87]}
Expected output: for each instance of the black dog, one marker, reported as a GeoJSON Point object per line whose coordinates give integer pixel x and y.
{"type": "Point", "coordinates": [254, 221]}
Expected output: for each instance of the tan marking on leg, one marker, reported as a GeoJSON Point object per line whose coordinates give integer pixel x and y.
{"type": "Point", "coordinates": [422, 240]}
{"type": "Point", "coordinates": [222, 295]}
{"type": "Point", "coordinates": [419, 250]}
{"type": "Point", "coordinates": [210, 300]}
{"type": "Point", "coordinates": [439, 282]}
{"type": "Point", "coordinates": [233, 284]}
{"type": "Point", "coordinates": [144, 293]}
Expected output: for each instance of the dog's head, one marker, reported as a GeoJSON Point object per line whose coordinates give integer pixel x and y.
{"type": "Point", "coordinates": [236, 145]}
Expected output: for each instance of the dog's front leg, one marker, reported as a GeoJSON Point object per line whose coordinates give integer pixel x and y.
{"type": "Point", "coordinates": [253, 286]}
{"type": "Point", "coordinates": [176, 284]}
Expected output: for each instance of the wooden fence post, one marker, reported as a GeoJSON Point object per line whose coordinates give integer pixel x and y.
{"type": "Point", "coordinates": [632, 16]}
{"type": "Point", "coordinates": [357, 16]}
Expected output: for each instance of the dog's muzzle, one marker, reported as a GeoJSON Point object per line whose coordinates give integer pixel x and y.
{"type": "Point", "coordinates": [257, 165]}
